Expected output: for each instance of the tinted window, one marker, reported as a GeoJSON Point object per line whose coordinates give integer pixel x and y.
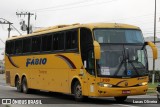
{"type": "Point", "coordinates": [71, 39]}
{"type": "Point", "coordinates": [36, 44]}
{"type": "Point", "coordinates": [118, 36]}
{"type": "Point", "coordinates": [10, 47]}
{"type": "Point", "coordinates": [58, 41]}
{"type": "Point", "coordinates": [27, 45]}
{"type": "Point", "coordinates": [46, 43]}
{"type": "Point", "coordinates": [18, 46]}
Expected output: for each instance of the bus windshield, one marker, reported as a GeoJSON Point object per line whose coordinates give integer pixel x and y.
{"type": "Point", "coordinates": [121, 56]}
{"type": "Point", "coordinates": [118, 36]}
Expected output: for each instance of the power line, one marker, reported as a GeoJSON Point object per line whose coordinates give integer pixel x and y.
{"type": "Point", "coordinates": [75, 6]}
{"type": "Point", "coordinates": [16, 29]}
{"type": "Point", "coordinates": [63, 5]}
{"type": "Point", "coordinates": [136, 20]}
{"type": "Point", "coordinates": [2, 41]}
{"type": "Point", "coordinates": [145, 15]}
{"type": "Point", "coordinates": [9, 23]}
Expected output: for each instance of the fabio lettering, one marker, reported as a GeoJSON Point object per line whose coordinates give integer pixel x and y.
{"type": "Point", "coordinates": [36, 61]}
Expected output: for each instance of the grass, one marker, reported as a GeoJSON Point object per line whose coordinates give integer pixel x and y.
{"type": "Point", "coordinates": [150, 85]}
{"type": "Point", "coordinates": [152, 88]}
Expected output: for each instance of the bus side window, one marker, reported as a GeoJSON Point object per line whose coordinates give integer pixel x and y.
{"type": "Point", "coordinates": [58, 41]}
{"type": "Point", "coordinates": [10, 47]}
{"type": "Point", "coordinates": [61, 41]}
{"type": "Point", "coordinates": [26, 45]}
{"type": "Point", "coordinates": [36, 44]}
{"type": "Point", "coordinates": [46, 42]}
{"type": "Point", "coordinates": [55, 41]}
{"type": "Point", "coordinates": [18, 46]}
{"type": "Point", "coordinates": [71, 40]}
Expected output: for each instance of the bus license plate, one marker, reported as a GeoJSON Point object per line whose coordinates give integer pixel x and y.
{"type": "Point", "coordinates": [126, 91]}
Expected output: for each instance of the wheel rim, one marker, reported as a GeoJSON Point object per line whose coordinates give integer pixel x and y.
{"type": "Point", "coordinates": [18, 85]}
{"type": "Point", "coordinates": [24, 86]}
{"type": "Point", "coordinates": [78, 91]}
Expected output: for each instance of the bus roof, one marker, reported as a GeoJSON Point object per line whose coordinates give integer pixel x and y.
{"type": "Point", "coordinates": [77, 25]}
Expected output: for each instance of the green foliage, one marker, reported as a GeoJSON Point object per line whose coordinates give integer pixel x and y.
{"type": "Point", "coordinates": [157, 75]}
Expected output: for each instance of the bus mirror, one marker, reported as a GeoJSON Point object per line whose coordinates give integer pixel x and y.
{"type": "Point", "coordinates": [154, 49]}
{"type": "Point", "coordinates": [97, 50]}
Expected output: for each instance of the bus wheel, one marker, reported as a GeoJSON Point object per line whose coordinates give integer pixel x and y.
{"type": "Point", "coordinates": [25, 86]}
{"type": "Point", "coordinates": [18, 85]}
{"type": "Point", "coordinates": [78, 91]}
{"type": "Point", "coordinates": [121, 98]}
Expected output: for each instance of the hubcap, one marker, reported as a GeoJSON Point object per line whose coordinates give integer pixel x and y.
{"type": "Point", "coordinates": [18, 85]}
{"type": "Point", "coordinates": [78, 91]}
{"type": "Point", "coordinates": [24, 87]}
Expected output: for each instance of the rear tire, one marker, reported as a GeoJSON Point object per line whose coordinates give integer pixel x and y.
{"type": "Point", "coordinates": [18, 85]}
{"type": "Point", "coordinates": [78, 91]}
{"type": "Point", "coordinates": [121, 98]}
{"type": "Point", "coordinates": [25, 88]}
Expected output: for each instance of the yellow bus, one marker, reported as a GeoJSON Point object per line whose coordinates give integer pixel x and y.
{"type": "Point", "coordinates": [86, 60]}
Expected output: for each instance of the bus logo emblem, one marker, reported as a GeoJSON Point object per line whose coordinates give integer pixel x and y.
{"type": "Point", "coordinates": [126, 84]}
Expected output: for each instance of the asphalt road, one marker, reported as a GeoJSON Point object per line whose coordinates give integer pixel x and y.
{"type": "Point", "coordinates": [61, 100]}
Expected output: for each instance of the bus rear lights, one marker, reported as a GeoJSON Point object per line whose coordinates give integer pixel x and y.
{"type": "Point", "coordinates": [101, 84]}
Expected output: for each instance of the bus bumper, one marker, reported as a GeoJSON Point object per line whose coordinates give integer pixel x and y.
{"type": "Point", "coordinates": [111, 92]}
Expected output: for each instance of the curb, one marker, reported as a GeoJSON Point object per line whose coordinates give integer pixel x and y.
{"type": "Point", "coordinates": [151, 91]}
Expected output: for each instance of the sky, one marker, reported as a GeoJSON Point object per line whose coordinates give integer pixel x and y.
{"type": "Point", "coordinates": [56, 12]}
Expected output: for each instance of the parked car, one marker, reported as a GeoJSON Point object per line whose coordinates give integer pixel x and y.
{"type": "Point", "coordinates": [1, 69]}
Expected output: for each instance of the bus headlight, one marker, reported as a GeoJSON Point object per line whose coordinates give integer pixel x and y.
{"type": "Point", "coordinates": [101, 84]}
{"type": "Point", "coordinates": [143, 83]}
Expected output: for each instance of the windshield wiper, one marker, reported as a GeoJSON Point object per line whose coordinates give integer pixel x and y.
{"type": "Point", "coordinates": [126, 61]}
{"type": "Point", "coordinates": [122, 62]}
{"type": "Point", "coordinates": [131, 61]}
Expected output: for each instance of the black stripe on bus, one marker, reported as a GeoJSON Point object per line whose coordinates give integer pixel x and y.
{"type": "Point", "coordinates": [68, 61]}
{"type": "Point", "coordinates": [11, 61]}
{"type": "Point", "coordinates": [120, 82]}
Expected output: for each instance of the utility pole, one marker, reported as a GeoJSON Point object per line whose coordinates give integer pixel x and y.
{"type": "Point", "coordinates": [26, 14]}
{"type": "Point", "coordinates": [153, 74]}
{"type": "Point", "coordinates": [9, 28]}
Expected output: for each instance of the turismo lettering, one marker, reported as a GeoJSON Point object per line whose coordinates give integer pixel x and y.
{"type": "Point", "coordinates": [36, 61]}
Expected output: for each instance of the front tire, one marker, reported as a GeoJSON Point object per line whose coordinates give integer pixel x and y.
{"type": "Point", "coordinates": [120, 98]}
{"type": "Point", "coordinates": [25, 88]}
{"type": "Point", "coordinates": [78, 91]}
